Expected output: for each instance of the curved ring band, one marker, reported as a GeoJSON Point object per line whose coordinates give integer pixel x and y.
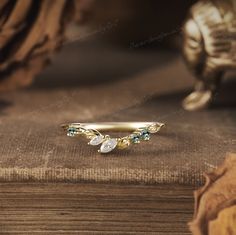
{"type": "Point", "coordinates": [140, 132]}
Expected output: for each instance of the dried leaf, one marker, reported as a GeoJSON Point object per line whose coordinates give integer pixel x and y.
{"type": "Point", "coordinates": [225, 224]}
{"type": "Point", "coordinates": [218, 193]}
{"type": "Point", "coordinates": [30, 32]}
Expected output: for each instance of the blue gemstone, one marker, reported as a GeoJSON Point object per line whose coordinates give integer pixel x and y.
{"type": "Point", "coordinates": [71, 131]}
{"type": "Point", "coordinates": [143, 132]}
{"type": "Point", "coordinates": [135, 138]}
{"type": "Point", "coordinates": [145, 135]}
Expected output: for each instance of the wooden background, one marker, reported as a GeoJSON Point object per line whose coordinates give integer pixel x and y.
{"type": "Point", "coordinates": [94, 209]}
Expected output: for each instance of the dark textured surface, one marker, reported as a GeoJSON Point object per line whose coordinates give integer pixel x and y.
{"type": "Point", "coordinates": [150, 87]}
{"type": "Point", "coordinates": [94, 209]}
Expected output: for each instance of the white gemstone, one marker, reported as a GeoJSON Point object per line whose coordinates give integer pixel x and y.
{"type": "Point", "coordinates": [108, 145]}
{"type": "Point", "coordinates": [96, 140]}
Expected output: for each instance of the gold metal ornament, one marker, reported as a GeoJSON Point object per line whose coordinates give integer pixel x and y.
{"type": "Point", "coordinates": [209, 48]}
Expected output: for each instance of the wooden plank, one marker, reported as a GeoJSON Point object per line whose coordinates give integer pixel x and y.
{"type": "Point", "coordinates": [94, 209]}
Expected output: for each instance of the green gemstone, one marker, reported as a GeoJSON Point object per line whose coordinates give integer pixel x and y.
{"type": "Point", "coordinates": [71, 131]}
{"type": "Point", "coordinates": [145, 135]}
{"type": "Point", "coordinates": [135, 139]}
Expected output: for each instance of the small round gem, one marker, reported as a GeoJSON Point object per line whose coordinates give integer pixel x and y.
{"type": "Point", "coordinates": [145, 134]}
{"type": "Point", "coordinates": [135, 138]}
{"type": "Point", "coordinates": [71, 131]}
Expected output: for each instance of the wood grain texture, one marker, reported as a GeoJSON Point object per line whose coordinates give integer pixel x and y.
{"type": "Point", "coordinates": [94, 209]}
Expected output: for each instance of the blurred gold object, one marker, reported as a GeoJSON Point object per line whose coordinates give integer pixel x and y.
{"type": "Point", "coordinates": [209, 47]}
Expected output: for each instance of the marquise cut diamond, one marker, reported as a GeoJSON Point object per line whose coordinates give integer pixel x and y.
{"type": "Point", "coordinates": [96, 140]}
{"type": "Point", "coordinates": [108, 145]}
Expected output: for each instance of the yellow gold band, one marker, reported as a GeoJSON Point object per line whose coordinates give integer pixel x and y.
{"type": "Point", "coordinates": [112, 126]}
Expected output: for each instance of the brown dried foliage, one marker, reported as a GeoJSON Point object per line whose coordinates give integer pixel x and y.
{"type": "Point", "coordinates": [215, 203]}
{"type": "Point", "coordinates": [30, 31]}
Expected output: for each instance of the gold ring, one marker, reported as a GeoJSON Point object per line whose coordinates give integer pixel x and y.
{"type": "Point", "coordinates": [140, 131]}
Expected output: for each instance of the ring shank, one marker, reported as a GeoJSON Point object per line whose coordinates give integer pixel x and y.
{"type": "Point", "coordinates": [112, 126]}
